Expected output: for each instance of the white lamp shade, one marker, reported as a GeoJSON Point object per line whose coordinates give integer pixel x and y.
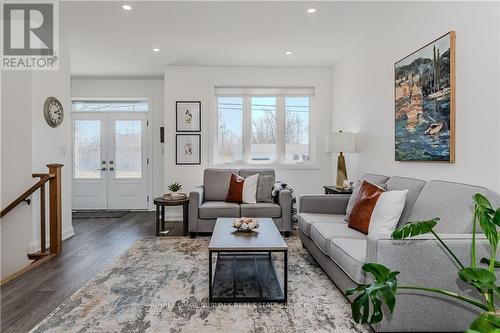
{"type": "Point", "coordinates": [341, 142]}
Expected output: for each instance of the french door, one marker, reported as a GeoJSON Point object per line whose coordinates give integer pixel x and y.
{"type": "Point", "coordinates": [110, 160]}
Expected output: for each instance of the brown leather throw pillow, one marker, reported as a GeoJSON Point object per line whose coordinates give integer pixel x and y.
{"type": "Point", "coordinates": [235, 192]}
{"type": "Point", "coordinates": [363, 207]}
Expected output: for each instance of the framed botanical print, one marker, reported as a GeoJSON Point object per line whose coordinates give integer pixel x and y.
{"type": "Point", "coordinates": [188, 149]}
{"type": "Point", "coordinates": [424, 97]}
{"type": "Point", "coordinates": [188, 116]}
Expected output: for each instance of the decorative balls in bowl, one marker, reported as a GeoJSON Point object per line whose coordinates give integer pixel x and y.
{"type": "Point", "coordinates": [245, 224]}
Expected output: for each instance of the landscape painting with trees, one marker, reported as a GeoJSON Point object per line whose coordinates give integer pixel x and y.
{"type": "Point", "coordinates": [424, 103]}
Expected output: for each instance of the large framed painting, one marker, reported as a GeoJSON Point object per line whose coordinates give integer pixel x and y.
{"type": "Point", "coordinates": [425, 103]}
{"type": "Point", "coordinates": [188, 149]}
{"type": "Point", "coordinates": [188, 116]}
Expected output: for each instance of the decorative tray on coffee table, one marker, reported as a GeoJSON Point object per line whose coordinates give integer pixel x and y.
{"type": "Point", "coordinates": [245, 224]}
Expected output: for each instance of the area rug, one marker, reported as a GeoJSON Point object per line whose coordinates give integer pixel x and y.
{"type": "Point", "coordinates": [161, 285]}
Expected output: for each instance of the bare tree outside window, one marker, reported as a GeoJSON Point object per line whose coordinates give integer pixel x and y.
{"type": "Point", "coordinates": [230, 129]}
{"type": "Point", "coordinates": [263, 128]}
{"type": "Point", "coordinates": [297, 128]}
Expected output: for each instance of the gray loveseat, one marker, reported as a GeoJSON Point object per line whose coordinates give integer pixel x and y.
{"type": "Point", "coordinates": [342, 251]}
{"type": "Point", "coordinates": [207, 202]}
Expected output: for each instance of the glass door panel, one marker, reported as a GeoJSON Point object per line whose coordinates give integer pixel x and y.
{"type": "Point", "coordinates": [128, 149]}
{"type": "Point", "coordinates": [87, 149]}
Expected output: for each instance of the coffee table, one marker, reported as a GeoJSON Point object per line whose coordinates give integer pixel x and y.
{"type": "Point", "coordinates": [244, 268]}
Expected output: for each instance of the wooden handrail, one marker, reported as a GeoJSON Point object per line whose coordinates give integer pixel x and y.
{"type": "Point", "coordinates": [53, 178]}
{"type": "Point", "coordinates": [43, 179]}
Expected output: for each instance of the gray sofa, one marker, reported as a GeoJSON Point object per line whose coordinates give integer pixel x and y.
{"type": "Point", "coordinates": [342, 251]}
{"type": "Point", "coordinates": [207, 202]}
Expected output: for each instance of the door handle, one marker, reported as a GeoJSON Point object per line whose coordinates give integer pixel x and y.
{"type": "Point", "coordinates": [103, 169]}
{"type": "Point", "coordinates": [111, 169]}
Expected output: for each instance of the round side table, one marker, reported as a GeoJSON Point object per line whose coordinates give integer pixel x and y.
{"type": "Point", "coordinates": [160, 204]}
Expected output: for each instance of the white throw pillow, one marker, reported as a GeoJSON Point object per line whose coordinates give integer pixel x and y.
{"type": "Point", "coordinates": [387, 212]}
{"type": "Point", "coordinates": [250, 189]}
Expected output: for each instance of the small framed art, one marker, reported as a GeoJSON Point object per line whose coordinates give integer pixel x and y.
{"type": "Point", "coordinates": [188, 149]}
{"type": "Point", "coordinates": [188, 116]}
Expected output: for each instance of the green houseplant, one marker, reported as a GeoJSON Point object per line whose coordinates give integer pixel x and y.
{"type": "Point", "coordinates": [367, 306]}
{"type": "Point", "coordinates": [175, 187]}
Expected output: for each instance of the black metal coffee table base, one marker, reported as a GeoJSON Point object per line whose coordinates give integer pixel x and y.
{"type": "Point", "coordinates": [246, 277]}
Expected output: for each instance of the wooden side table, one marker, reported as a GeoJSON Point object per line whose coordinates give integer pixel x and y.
{"type": "Point", "coordinates": [160, 204]}
{"type": "Point", "coordinates": [335, 190]}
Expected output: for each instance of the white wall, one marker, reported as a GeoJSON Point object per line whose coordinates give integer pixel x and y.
{"type": "Point", "coordinates": [52, 145]}
{"type": "Point", "coordinates": [363, 88]}
{"type": "Point", "coordinates": [15, 227]}
{"type": "Point", "coordinates": [197, 83]}
{"type": "Point", "coordinates": [150, 88]}
{"type": "Point", "coordinates": [28, 145]}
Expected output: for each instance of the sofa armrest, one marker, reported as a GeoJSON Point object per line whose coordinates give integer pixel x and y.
{"type": "Point", "coordinates": [422, 260]}
{"type": "Point", "coordinates": [285, 202]}
{"type": "Point", "coordinates": [324, 204]}
{"type": "Point", "coordinates": [196, 197]}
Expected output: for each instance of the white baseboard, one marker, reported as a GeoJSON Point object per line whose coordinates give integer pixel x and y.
{"type": "Point", "coordinates": [67, 232]}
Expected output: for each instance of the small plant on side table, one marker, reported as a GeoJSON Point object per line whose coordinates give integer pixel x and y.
{"type": "Point", "coordinates": [385, 286]}
{"type": "Point", "coordinates": [175, 187]}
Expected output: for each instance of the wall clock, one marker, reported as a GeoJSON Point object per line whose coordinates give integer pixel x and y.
{"type": "Point", "coordinates": [53, 111]}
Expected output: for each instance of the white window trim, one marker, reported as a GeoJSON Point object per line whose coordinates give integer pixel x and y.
{"type": "Point", "coordinates": [280, 163]}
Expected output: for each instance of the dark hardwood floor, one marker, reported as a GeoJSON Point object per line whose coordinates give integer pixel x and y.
{"type": "Point", "coordinates": [25, 301]}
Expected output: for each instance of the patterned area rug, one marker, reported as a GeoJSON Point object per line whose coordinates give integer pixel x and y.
{"type": "Point", "coordinates": [160, 285]}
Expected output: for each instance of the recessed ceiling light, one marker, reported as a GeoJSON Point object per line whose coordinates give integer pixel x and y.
{"type": "Point", "coordinates": [288, 52]}
{"type": "Point", "coordinates": [156, 49]}
{"type": "Point", "coordinates": [127, 7]}
{"type": "Point", "coordinates": [311, 10]}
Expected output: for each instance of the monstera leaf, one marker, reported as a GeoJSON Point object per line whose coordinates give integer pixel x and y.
{"type": "Point", "coordinates": [488, 218]}
{"type": "Point", "coordinates": [486, 322]}
{"type": "Point", "coordinates": [414, 229]}
{"type": "Point", "coordinates": [383, 289]}
{"type": "Point", "coordinates": [480, 278]}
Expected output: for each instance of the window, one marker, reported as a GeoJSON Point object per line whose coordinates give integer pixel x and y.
{"type": "Point", "coordinates": [263, 143]}
{"type": "Point", "coordinates": [297, 128]}
{"type": "Point", "coordinates": [96, 105]}
{"type": "Point", "coordinates": [230, 129]}
{"type": "Point", "coordinates": [263, 126]}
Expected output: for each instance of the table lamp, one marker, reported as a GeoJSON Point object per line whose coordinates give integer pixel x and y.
{"type": "Point", "coordinates": [341, 142]}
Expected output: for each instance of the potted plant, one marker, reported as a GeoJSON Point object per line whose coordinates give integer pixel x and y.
{"type": "Point", "coordinates": [174, 189]}
{"type": "Point", "coordinates": [385, 285]}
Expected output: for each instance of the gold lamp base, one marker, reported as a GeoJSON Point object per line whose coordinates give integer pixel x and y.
{"type": "Point", "coordinates": [341, 171]}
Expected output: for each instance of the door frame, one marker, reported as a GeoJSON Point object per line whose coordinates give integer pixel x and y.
{"type": "Point", "coordinates": [149, 135]}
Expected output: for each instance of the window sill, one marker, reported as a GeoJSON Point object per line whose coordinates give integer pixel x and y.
{"type": "Point", "coordinates": [276, 166]}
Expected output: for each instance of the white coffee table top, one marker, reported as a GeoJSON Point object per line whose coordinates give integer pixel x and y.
{"type": "Point", "coordinates": [265, 238]}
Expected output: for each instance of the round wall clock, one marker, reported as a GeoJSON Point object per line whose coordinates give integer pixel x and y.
{"type": "Point", "coordinates": [53, 112]}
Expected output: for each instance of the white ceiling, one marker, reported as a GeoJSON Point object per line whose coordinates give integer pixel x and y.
{"type": "Point", "coordinates": [107, 40]}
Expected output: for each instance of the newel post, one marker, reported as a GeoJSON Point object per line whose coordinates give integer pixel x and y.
{"type": "Point", "coordinates": [55, 210]}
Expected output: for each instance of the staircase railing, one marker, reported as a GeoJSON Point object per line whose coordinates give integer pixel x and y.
{"type": "Point", "coordinates": [53, 177]}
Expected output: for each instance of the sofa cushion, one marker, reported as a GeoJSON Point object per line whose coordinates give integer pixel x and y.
{"type": "Point", "coordinates": [215, 209]}
{"type": "Point", "coordinates": [216, 183]}
{"type": "Point", "coordinates": [378, 180]}
{"type": "Point", "coordinates": [414, 186]}
{"type": "Point", "coordinates": [307, 219]}
{"type": "Point", "coordinates": [235, 190]}
{"type": "Point", "coordinates": [361, 213]}
{"type": "Point", "coordinates": [322, 232]}
{"type": "Point", "coordinates": [451, 202]}
{"type": "Point", "coordinates": [260, 209]}
{"type": "Point", "coordinates": [350, 256]}
{"type": "Point", "coordinates": [265, 188]}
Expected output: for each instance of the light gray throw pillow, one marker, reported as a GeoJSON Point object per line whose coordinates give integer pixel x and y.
{"type": "Point", "coordinates": [265, 188]}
